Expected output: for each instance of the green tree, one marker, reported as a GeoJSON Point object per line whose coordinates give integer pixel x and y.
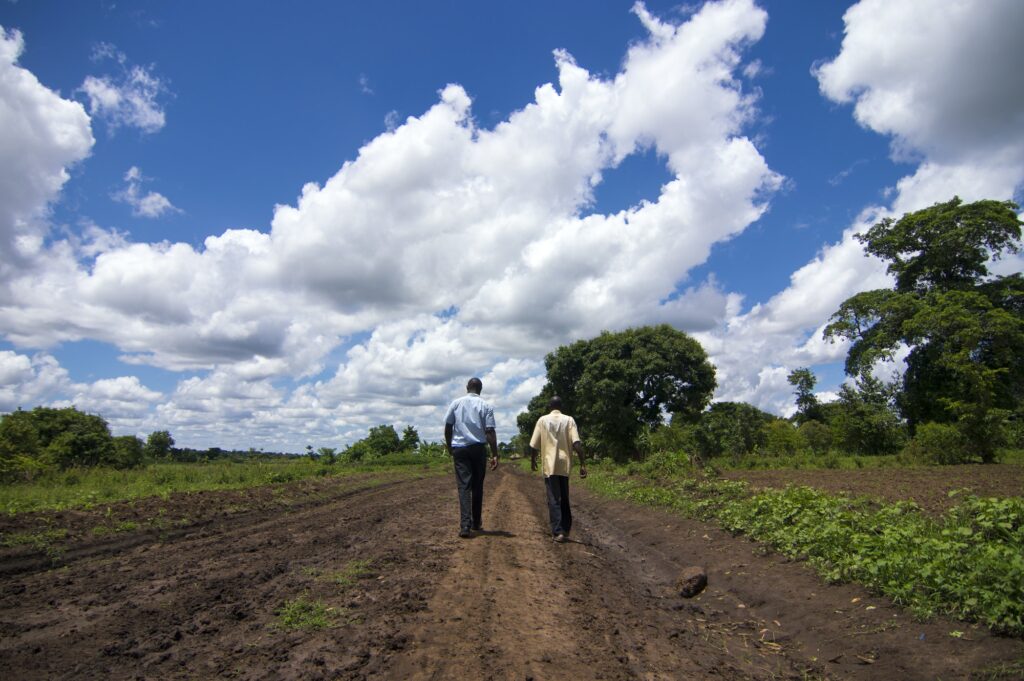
{"type": "Point", "coordinates": [19, 446]}
{"type": "Point", "coordinates": [964, 328]}
{"type": "Point", "coordinates": [128, 451]}
{"type": "Point", "coordinates": [327, 454]}
{"type": "Point", "coordinates": [410, 439]}
{"type": "Point", "coordinates": [61, 437]}
{"type": "Point", "coordinates": [618, 384]}
{"type": "Point", "coordinates": [158, 445]}
{"type": "Point", "coordinates": [784, 439]}
{"type": "Point", "coordinates": [817, 435]}
{"type": "Point", "coordinates": [731, 429]}
{"type": "Point", "coordinates": [807, 406]}
{"type": "Point", "coordinates": [864, 420]}
{"type": "Point", "coordinates": [381, 440]}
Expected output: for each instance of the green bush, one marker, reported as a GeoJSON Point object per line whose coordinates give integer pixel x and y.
{"type": "Point", "coordinates": [817, 435]}
{"type": "Point", "coordinates": [784, 439]}
{"type": "Point", "coordinates": [938, 443]}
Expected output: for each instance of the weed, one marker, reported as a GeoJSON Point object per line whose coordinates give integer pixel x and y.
{"type": "Point", "coordinates": [43, 541]}
{"type": "Point", "coordinates": [301, 613]}
{"type": "Point", "coordinates": [351, 572]}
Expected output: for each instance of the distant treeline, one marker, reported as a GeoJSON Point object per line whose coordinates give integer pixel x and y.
{"type": "Point", "coordinates": [47, 438]}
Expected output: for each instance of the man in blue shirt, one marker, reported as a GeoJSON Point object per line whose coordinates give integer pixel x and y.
{"type": "Point", "coordinates": [468, 428]}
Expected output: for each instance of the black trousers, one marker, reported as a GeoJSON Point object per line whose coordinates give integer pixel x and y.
{"type": "Point", "coordinates": [558, 503]}
{"type": "Point", "coordinates": [470, 469]}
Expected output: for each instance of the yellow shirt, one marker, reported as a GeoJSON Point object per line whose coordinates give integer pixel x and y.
{"type": "Point", "coordinates": [554, 436]}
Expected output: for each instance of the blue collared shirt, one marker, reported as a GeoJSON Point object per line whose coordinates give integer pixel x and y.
{"type": "Point", "coordinates": [470, 417]}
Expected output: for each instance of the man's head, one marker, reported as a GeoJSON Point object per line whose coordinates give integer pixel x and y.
{"type": "Point", "coordinates": [555, 403]}
{"type": "Point", "coordinates": [475, 385]}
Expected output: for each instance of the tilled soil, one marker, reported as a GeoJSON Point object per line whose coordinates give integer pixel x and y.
{"type": "Point", "coordinates": [934, 488]}
{"type": "Point", "coordinates": [408, 599]}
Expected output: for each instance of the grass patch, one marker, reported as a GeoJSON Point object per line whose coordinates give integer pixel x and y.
{"type": "Point", "coordinates": [968, 564]}
{"type": "Point", "coordinates": [303, 614]}
{"type": "Point", "coordinates": [345, 577]}
{"type": "Point", "coordinates": [43, 540]}
{"type": "Point", "coordinates": [90, 487]}
{"type": "Point", "coordinates": [348, 576]}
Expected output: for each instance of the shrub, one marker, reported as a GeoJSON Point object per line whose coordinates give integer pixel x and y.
{"type": "Point", "coordinates": [938, 443]}
{"type": "Point", "coordinates": [817, 435]}
{"type": "Point", "coordinates": [784, 439]}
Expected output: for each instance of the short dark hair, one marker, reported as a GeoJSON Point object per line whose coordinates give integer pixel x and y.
{"type": "Point", "coordinates": [475, 385]}
{"type": "Point", "coordinates": [555, 403]}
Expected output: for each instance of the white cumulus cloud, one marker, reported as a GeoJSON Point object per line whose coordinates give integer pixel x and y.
{"type": "Point", "coordinates": [943, 86]}
{"type": "Point", "coordinates": [130, 97]}
{"type": "Point", "coordinates": [41, 136]}
{"type": "Point", "coordinates": [147, 205]}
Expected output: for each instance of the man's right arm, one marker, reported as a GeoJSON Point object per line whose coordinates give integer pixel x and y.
{"type": "Point", "coordinates": [578, 448]}
{"type": "Point", "coordinates": [449, 429]}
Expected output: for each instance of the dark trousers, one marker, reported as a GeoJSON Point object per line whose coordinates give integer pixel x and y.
{"type": "Point", "coordinates": [470, 468]}
{"type": "Point", "coordinates": [558, 503]}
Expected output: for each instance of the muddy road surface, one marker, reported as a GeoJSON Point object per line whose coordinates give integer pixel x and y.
{"type": "Point", "coordinates": [368, 580]}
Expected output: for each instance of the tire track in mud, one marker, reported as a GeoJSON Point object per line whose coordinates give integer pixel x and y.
{"type": "Point", "coordinates": [31, 560]}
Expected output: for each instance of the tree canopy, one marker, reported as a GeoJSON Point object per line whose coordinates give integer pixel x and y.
{"type": "Point", "coordinates": [618, 383]}
{"type": "Point", "coordinates": [964, 328]}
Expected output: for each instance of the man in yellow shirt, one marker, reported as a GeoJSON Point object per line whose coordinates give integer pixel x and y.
{"type": "Point", "coordinates": [557, 437]}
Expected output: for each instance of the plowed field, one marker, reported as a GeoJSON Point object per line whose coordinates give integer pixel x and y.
{"type": "Point", "coordinates": [203, 592]}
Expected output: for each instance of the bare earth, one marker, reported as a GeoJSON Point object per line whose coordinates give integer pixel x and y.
{"type": "Point", "coordinates": [195, 595]}
{"type": "Point", "coordinates": [929, 487]}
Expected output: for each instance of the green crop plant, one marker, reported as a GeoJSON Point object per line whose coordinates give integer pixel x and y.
{"type": "Point", "coordinates": [968, 564]}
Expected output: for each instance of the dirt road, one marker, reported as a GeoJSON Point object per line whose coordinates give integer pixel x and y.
{"type": "Point", "coordinates": [405, 598]}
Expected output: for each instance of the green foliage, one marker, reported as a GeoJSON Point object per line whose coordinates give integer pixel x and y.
{"type": "Point", "coordinates": [431, 450]}
{"type": "Point", "coordinates": [965, 329]}
{"type": "Point", "coordinates": [969, 564]}
{"type": "Point", "coordinates": [816, 435]}
{"type": "Point", "coordinates": [807, 406]}
{"type": "Point", "coordinates": [731, 429]}
{"type": "Point", "coordinates": [352, 572]}
{"type": "Point", "coordinates": [327, 455]}
{"type": "Point", "coordinates": [618, 384]}
{"type": "Point", "coordinates": [938, 443]}
{"type": "Point", "coordinates": [158, 445]}
{"type": "Point", "coordinates": [381, 440]}
{"type": "Point", "coordinates": [128, 452]}
{"type": "Point", "coordinates": [784, 439]}
{"type": "Point", "coordinates": [35, 441]}
{"type": "Point", "coordinates": [302, 613]}
{"type": "Point", "coordinates": [88, 487]}
{"type": "Point", "coordinates": [863, 420]}
{"type": "Point", "coordinates": [410, 439]}
{"type": "Point", "coordinates": [946, 246]}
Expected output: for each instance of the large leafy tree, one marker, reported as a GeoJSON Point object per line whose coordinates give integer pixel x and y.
{"type": "Point", "coordinates": [63, 437]}
{"type": "Point", "coordinates": [158, 445]}
{"type": "Point", "coordinates": [617, 384]}
{"type": "Point", "coordinates": [964, 328]}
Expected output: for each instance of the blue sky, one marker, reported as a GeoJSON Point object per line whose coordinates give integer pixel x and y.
{"type": "Point", "coordinates": [242, 222]}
